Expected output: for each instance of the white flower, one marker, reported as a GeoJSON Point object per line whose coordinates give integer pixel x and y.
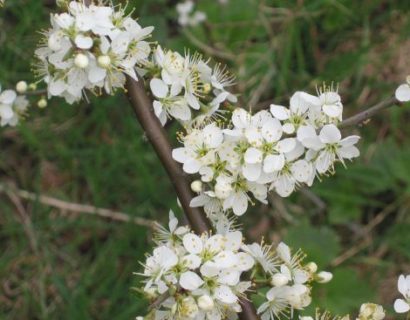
{"type": "Point", "coordinates": [328, 146]}
{"type": "Point", "coordinates": [263, 255]}
{"type": "Point", "coordinates": [199, 148]}
{"type": "Point", "coordinates": [331, 104]}
{"type": "Point", "coordinates": [276, 305]}
{"type": "Point", "coordinates": [371, 311]}
{"type": "Point", "coordinates": [403, 305]}
{"type": "Point", "coordinates": [12, 107]}
{"type": "Point", "coordinates": [90, 48]}
{"type": "Point", "coordinates": [168, 104]}
{"type": "Point", "coordinates": [187, 16]}
{"type": "Point", "coordinates": [403, 91]}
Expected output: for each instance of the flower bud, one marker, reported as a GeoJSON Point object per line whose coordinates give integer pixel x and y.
{"type": "Point", "coordinates": [311, 267]}
{"type": "Point", "coordinates": [371, 311]}
{"type": "Point", "coordinates": [32, 86]}
{"type": "Point", "coordinates": [305, 318]}
{"type": "Point", "coordinates": [279, 280]}
{"type": "Point", "coordinates": [104, 61]}
{"type": "Point", "coordinates": [196, 186]}
{"type": "Point", "coordinates": [206, 303]}
{"type": "Point", "coordinates": [21, 87]}
{"type": "Point", "coordinates": [324, 277]}
{"type": "Point", "coordinates": [81, 61]}
{"type": "Point", "coordinates": [42, 103]}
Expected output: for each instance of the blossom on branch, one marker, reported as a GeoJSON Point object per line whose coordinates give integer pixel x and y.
{"type": "Point", "coordinates": [90, 48]}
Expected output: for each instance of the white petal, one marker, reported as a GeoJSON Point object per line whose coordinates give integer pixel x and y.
{"type": "Point", "coordinates": [349, 141]}
{"type": "Point", "coordinates": [192, 243]}
{"type": "Point", "coordinates": [190, 281]}
{"type": "Point", "coordinates": [229, 277]}
{"type": "Point", "coordinates": [324, 161]}
{"type": "Point", "coordinates": [401, 306]}
{"type": "Point", "coordinates": [192, 261]}
{"type": "Point", "coordinates": [330, 134]}
{"type": "Point", "coordinates": [253, 155]}
{"type": "Point", "coordinates": [180, 154]}
{"type": "Point", "coordinates": [286, 145]}
{"type": "Point", "coordinates": [159, 88]}
{"type": "Point", "coordinates": [83, 42]}
{"type": "Point", "coordinates": [272, 130]}
{"type": "Point", "coordinates": [284, 186]}
{"type": "Point", "coordinates": [240, 204]}
{"type": "Point", "coordinates": [333, 110]}
{"type": "Point", "coordinates": [192, 166]}
{"type": "Point", "coordinates": [225, 295]}
{"type": "Point", "coordinates": [301, 170]}
{"type": "Point", "coordinates": [288, 128]}
{"type": "Point", "coordinates": [233, 241]}
{"type": "Point", "coordinates": [6, 112]}
{"type": "Point", "coordinates": [279, 112]}
{"type": "Point", "coordinates": [273, 163]}
{"type": "Point", "coordinates": [246, 262]}
{"type": "Point", "coordinates": [97, 74]}
{"type": "Point", "coordinates": [349, 152]}
{"type": "Point", "coordinates": [403, 93]}
{"type": "Point", "coordinates": [8, 96]}
{"type": "Point", "coordinates": [181, 111]}
{"type": "Point", "coordinates": [252, 172]}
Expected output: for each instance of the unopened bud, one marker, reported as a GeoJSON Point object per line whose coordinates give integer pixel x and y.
{"type": "Point", "coordinates": [324, 277]}
{"type": "Point", "coordinates": [279, 280]}
{"type": "Point", "coordinates": [206, 303]}
{"type": "Point", "coordinates": [32, 86]}
{"type": "Point", "coordinates": [196, 186]}
{"type": "Point", "coordinates": [104, 61]}
{"type": "Point", "coordinates": [311, 267]}
{"type": "Point", "coordinates": [42, 103]}
{"type": "Point", "coordinates": [21, 87]}
{"type": "Point", "coordinates": [81, 61]}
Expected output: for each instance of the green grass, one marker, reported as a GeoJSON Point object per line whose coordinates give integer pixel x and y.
{"type": "Point", "coordinates": [66, 266]}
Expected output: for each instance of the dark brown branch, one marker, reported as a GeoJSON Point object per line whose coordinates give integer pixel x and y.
{"type": "Point", "coordinates": [368, 113]}
{"type": "Point", "coordinates": [142, 106]}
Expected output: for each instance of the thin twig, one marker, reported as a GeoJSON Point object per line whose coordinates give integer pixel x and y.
{"type": "Point", "coordinates": [368, 113]}
{"type": "Point", "coordinates": [208, 49]}
{"type": "Point", "coordinates": [75, 207]}
{"type": "Point", "coordinates": [351, 252]}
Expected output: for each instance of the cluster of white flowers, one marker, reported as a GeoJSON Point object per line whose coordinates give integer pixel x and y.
{"type": "Point", "coordinates": [13, 105]}
{"type": "Point", "coordinates": [403, 91]}
{"type": "Point", "coordinates": [277, 150]}
{"type": "Point", "coordinates": [186, 88]}
{"type": "Point", "coordinates": [91, 48]}
{"type": "Point", "coordinates": [187, 15]}
{"type": "Point", "coordinates": [403, 305]}
{"type": "Point", "coordinates": [288, 280]}
{"type": "Point", "coordinates": [200, 275]}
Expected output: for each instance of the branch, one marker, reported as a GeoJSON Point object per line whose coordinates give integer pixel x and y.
{"type": "Point", "coordinates": [157, 136]}
{"type": "Point", "coordinates": [368, 113]}
{"type": "Point", "coordinates": [75, 207]}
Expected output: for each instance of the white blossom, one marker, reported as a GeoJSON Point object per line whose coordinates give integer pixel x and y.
{"type": "Point", "coordinates": [403, 305]}
{"type": "Point", "coordinates": [403, 91]}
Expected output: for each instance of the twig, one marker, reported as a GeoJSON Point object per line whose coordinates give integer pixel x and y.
{"type": "Point", "coordinates": [368, 113]}
{"type": "Point", "coordinates": [208, 49]}
{"type": "Point", "coordinates": [351, 252]}
{"type": "Point", "coordinates": [75, 207]}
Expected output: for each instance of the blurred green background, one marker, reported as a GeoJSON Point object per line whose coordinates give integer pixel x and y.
{"type": "Point", "coordinates": [56, 264]}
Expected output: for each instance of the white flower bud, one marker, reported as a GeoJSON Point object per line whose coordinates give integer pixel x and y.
{"type": "Point", "coordinates": [305, 318]}
{"type": "Point", "coordinates": [21, 87]}
{"type": "Point", "coordinates": [104, 61]}
{"type": "Point", "coordinates": [196, 186]}
{"type": "Point", "coordinates": [206, 303]}
{"type": "Point", "coordinates": [324, 277]}
{"type": "Point", "coordinates": [81, 61]}
{"type": "Point", "coordinates": [311, 267]}
{"type": "Point", "coordinates": [371, 311]}
{"type": "Point", "coordinates": [42, 103]}
{"type": "Point", "coordinates": [279, 280]}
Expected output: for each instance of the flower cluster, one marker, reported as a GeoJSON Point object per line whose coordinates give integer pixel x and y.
{"type": "Point", "coordinates": [186, 88]}
{"type": "Point", "coordinates": [403, 91]}
{"type": "Point", "coordinates": [13, 105]}
{"type": "Point", "coordinates": [277, 150]}
{"type": "Point", "coordinates": [199, 275]}
{"type": "Point", "coordinates": [288, 280]}
{"type": "Point", "coordinates": [403, 305]}
{"type": "Point", "coordinates": [91, 48]}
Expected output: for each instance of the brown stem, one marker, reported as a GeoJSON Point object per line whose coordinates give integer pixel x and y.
{"type": "Point", "coordinates": [368, 113]}
{"type": "Point", "coordinates": [142, 106]}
